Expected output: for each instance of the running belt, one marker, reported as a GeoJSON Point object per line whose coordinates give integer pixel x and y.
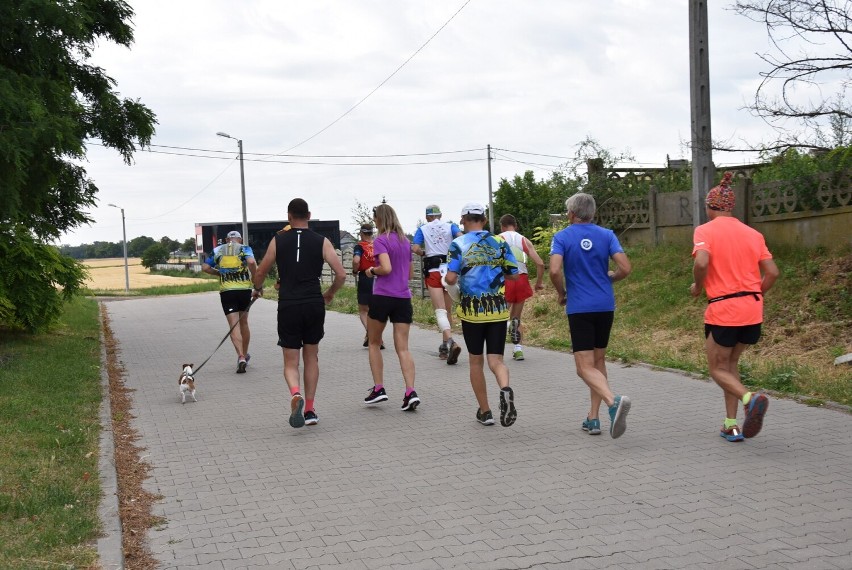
{"type": "Point", "coordinates": [737, 294]}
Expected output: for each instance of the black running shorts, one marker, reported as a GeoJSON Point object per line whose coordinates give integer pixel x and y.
{"type": "Point", "coordinates": [365, 288]}
{"type": "Point", "coordinates": [235, 301]}
{"type": "Point", "coordinates": [397, 309]}
{"type": "Point", "coordinates": [490, 336]}
{"type": "Point", "coordinates": [731, 336]}
{"type": "Point", "coordinates": [590, 330]}
{"type": "Point", "coordinates": [299, 325]}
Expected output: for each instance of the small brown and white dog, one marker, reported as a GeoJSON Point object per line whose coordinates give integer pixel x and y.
{"type": "Point", "coordinates": [186, 383]}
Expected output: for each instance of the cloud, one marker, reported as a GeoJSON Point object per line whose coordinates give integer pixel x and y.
{"type": "Point", "coordinates": [536, 76]}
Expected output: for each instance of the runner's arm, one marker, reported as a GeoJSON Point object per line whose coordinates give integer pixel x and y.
{"type": "Point", "coordinates": [699, 272]}
{"type": "Point", "coordinates": [262, 270]}
{"type": "Point", "coordinates": [384, 267]}
{"type": "Point", "coordinates": [539, 264]}
{"type": "Point", "coordinates": [770, 274]}
{"type": "Point", "coordinates": [623, 267]}
{"type": "Point", "coordinates": [330, 257]}
{"type": "Point", "coordinates": [556, 276]}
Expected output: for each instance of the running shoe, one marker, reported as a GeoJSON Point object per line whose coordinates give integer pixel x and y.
{"type": "Point", "coordinates": [515, 330]}
{"type": "Point", "coordinates": [618, 416]}
{"type": "Point", "coordinates": [732, 433]}
{"type": "Point", "coordinates": [241, 365]}
{"type": "Point", "coordinates": [311, 418]}
{"type": "Point", "coordinates": [454, 351]}
{"type": "Point", "coordinates": [248, 358]}
{"type": "Point", "coordinates": [508, 413]}
{"type": "Point", "coordinates": [485, 418]}
{"type": "Point", "coordinates": [297, 404]}
{"type": "Point", "coordinates": [754, 412]}
{"type": "Point", "coordinates": [376, 396]}
{"type": "Point", "coordinates": [594, 427]}
{"type": "Point", "coordinates": [443, 351]}
{"type": "Point", "coordinates": [410, 402]}
{"type": "Point", "coordinates": [586, 423]}
{"type": "Point", "coordinates": [518, 355]}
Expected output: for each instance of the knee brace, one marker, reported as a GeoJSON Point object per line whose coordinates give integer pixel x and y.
{"type": "Point", "coordinates": [443, 321]}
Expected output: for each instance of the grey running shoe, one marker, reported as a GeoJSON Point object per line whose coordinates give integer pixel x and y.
{"type": "Point", "coordinates": [485, 418]}
{"type": "Point", "coordinates": [455, 351]}
{"type": "Point", "coordinates": [618, 414]}
{"type": "Point", "coordinates": [508, 413]}
{"type": "Point", "coordinates": [297, 404]}
{"type": "Point", "coordinates": [443, 351]}
{"type": "Point", "coordinates": [515, 330]}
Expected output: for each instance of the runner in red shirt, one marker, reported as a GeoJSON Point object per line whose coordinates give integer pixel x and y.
{"type": "Point", "coordinates": [734, 267]}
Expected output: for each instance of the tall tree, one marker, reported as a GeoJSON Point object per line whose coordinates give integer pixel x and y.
{"type": "Point", "coordinates": [51, 101]}
{"type": "Point", "coordinates": [137, 246]}
{"type": "Point", "coordinates": [531, 201]}
{"type": "Point", "coordinates": [361, 214]}
{"type": "Point", "coordinates": [810, 64]}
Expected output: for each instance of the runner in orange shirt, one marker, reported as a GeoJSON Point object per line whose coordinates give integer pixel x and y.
{"type": "Point", "coordinates": [734, 267]}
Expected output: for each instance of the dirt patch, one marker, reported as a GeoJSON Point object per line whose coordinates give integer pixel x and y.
{"type": "Point", "coordinates": [135, 503]}
{"type": "Point", "coordinates": [108, 275]}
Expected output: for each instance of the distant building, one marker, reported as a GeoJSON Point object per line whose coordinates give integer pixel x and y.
{"type": "Point", "coordinates": [209, 235]}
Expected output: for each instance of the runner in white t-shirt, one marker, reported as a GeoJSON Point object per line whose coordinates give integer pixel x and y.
{"type": "Point", "coordinates": [519, 290]}
{"type": "Point", "coordinates": [432, 242]}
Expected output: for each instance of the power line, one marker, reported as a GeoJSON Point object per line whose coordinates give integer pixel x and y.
{"type": "Point", "coordinates": [318, 163]}
{"type": "Point", "coordinates": [533, 164]}
{"type": "Point", "coordinates": [356, 105]}
{"type": "Point", "coordinates": [533, 153]}
{"type": "Point", "coordinates": [230, 152]}
{"type": "Point", "coordinates": [191, 198]}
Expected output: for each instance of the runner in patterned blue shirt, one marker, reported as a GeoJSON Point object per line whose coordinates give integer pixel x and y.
{"type": "Point", "coordinates": [479, 263]}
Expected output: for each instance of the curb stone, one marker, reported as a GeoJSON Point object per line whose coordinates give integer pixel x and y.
{"type": "Point", "coordinates": [110, 552]}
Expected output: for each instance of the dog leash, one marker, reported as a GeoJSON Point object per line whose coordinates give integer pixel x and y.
{"type": "Point", "coordinates": [244, 313]}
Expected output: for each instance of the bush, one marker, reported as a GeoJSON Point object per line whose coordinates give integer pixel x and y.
{"type": "Point", "coordinates": [34, 280]}
{"type": "Point", "coordinates": [155, 254]}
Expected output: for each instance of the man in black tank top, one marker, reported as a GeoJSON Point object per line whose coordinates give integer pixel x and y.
{"type": "Point", "coordinates": [299, 254]}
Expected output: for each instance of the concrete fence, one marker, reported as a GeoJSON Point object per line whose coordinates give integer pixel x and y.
{"type": "Point", "coordinates": [817, 212]}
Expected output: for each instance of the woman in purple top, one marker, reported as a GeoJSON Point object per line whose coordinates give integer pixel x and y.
{"type": "Point", "coordinates": [391, 300]}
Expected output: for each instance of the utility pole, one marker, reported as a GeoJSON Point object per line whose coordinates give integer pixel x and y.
{"type": "Point", "coordinates": [124, 241]}
{"type": "Point", "coordinates": [490, 196]}
{"type": "Point", "coordinates": [703, 169]}
{"type": "Point", "coordinates": [242, 184]}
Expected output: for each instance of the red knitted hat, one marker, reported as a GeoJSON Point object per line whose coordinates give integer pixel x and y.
{"type": "Point", "coordinates": [721, 197]}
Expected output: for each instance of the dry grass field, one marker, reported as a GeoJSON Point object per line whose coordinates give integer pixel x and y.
{"type": "Point", "coordinates": [108, 275]}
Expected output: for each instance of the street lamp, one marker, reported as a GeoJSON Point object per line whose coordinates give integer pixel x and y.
{"type": "Point", "coordinates": [124, 236]}
{"type": "Point", "coordinates": [242, 183]}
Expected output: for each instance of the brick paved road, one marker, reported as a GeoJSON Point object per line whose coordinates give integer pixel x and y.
{"type": "Point", "coordinates": [380, 488]}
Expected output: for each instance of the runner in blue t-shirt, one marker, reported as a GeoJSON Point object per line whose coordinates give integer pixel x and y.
{"type": "Point", "coordinates": [579, 268]}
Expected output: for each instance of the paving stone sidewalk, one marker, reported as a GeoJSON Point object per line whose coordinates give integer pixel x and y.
{"type": "Point", "coordinates": [375, 487]}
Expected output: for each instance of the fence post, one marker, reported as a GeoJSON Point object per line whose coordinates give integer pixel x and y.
{"type": "Point", "coordinates": [652, 214]}
{"type": "Point", "coordinates": [747, 201]}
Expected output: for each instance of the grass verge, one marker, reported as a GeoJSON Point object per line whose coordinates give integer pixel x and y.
{"type": "Point", "coordinates": [808, 320]}
{"type": "Point", "coordinates": [49, 429]}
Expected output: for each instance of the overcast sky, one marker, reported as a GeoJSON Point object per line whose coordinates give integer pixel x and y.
{"type": "Point", "coordinates": [536, 76]}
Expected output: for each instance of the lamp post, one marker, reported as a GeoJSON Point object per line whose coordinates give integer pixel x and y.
{"type": "Point", "coordinates": [124, 237]}
{"type": "Point", "coordinates": [242, 183]}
